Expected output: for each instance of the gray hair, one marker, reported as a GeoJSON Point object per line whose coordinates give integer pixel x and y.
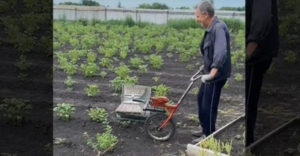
{"type": "Point", "coordinates": [206, 6]}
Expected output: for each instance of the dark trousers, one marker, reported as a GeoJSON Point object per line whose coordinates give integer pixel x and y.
{"type": "Point", "coordinates": [208, 101]}
{"type": "Point", "coordinates": [254, 77]}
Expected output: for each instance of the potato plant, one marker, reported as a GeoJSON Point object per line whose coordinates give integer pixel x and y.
{"type": "Point", "coordinates": [238, 76]}
{"type": "Point", "coordinates": [64, 111]}
{"type": "Point", "coordinates": [15, 110]}
{"type": "Point", "coordinates": [156, 61]}
{"type": "Point", "coordinates": [69, 82]}
{"type": "Point", "coordinates": [136, 62]}
{"type": "Point", "coordinates": [122, 71]}
{"type": "Point", "coordinates": [22, 63]}
{"type": "Point", "coordinates": [92, 90]}
{"type": "Point", "coordinates": [102, 141]}
{"type": "Point", "coordinates": [98, 114]}
{"type": "Point", "coordinates": [106, 62]}
{"type": "Point", "coordinates": [90, 69]}
{"type": "Point", "coordinates": [161, 90]}
{"type": "Point", "coordinates": [118, 82]}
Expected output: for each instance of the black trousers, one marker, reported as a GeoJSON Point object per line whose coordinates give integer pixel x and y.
{"type": "Point", "coordinates": [208, 101]}
{"type": "Point", "coordinates": [254, 77]}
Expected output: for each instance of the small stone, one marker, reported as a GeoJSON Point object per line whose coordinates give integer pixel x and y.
{"type": "Point", "coordinates": [238, 137]}
{"type": "Point", "coordinates": [169, 145]}
{"type": "Point", "coordinates": [184, 125]}
{"type": "Point", "coordinates": [137, 138]}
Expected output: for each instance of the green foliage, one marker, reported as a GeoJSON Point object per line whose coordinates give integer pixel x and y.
{"type": "Point", "coordinates": [89, 41]}
{"type": "Point", "coordinates": [75, 55]}
{"type": "Point", "coordinates": [70, 68]}
{"type": "Point", "coordinates": [56, 45]}
{"type": "Point", "coordinates": [22, 63]}
{"type": "Point", "coordinates": [103, 74]}
{"type": "Point", "coordinates": [92, 90]}
{"type": "Point", "coordinates": [64, 111]}
{"type": "Point", "coordinates": [240, 39]}
{"type": "Point", "coordinates": [226, 85]}
{"type": "Point", "coordinates": [193, 117]}
{"type": "Point", "coordinates": [290, 56]}
{"type": "Point", "coordinates": [161, 90]}
{"type": "Point", "coordinates": [190, 67]}
{"type": "Point", "coordinates": [68, 3]}
{"type": "Point", "coordinates": [89, 69]}
{"type": "Point", "coordinates": [184, 8]}
{"type": "Point", "coordinates": [238, 57]}
{"type": "Point", "coordinates": [183, 23]}
{"type": "Point", "coordinates": [104, 141]}
{"type": "Point", "coordinates": [153, 6]}
{"type": "Point", "coordinates": [129, 21]}
{"type": "Point", "coordinates": [89, 3]}
{"type": "Point", "coordinates": [98, 114]}
{"type": "Point", "coordinates": [122, 71]}
{"type": "Point", "coordinates": [143, 47]}
{"type": "Point", "coordinates": [156, 61]}
{"type": "Point", "coordinates": [143, 69]}
{"type": "Point", "coordinates": [238, 76]}
{"type": "Point", "coordinates": [271, 69]}
{"type": "Point", "coordinates": [15, 110]}
{"type": "Point", "coordinates": [106, 62]}
{"type": "Point", "coordinates": [125, 124]}
{"type": "Point", "coordinates": [91, 57]}
{"type": "Point", "coordinates": [169, 55]}
{"type": "Point", "coordinates": [233, 8]}
{"type": "Point", "coordinates": [118, 82]}
{"type": "Point", "coordinates": [110, 52]}
{"type": "Point", "coordinates": [234, 25]}
{"type": "Point", "coordinates": [195, 90]}
{"type": "Point", "coordinates": [136, 62]}
{"type": "Point", "coordinates": [155, 78]}
{"type": "Point", "coordinates": [74, 42]}
{"type": "Point", "coordinates": [123, 53]}
{"type": "Point", "coordinates": [216, 146]}
{"type": "Point", "coordinates": [69, 82]}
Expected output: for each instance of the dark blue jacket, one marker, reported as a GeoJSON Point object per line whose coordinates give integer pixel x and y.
{"type": "Point", "coordinates": [215, 49]}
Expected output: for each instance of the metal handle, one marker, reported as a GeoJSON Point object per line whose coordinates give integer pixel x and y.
{"type": "Point", "coordinates": [195, 77]}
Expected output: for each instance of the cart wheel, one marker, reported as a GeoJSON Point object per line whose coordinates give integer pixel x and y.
{"type": "Point", "coordinates": [152, 124]}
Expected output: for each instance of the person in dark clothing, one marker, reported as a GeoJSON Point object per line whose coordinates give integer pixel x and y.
{"type": "Point", "coordinates": [215, 49]}
{"type": "Point", "coordinates": [261, 46]}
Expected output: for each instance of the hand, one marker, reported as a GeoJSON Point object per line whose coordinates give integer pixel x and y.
{"type": "Point", "coordinates": [251, 47]}
{"type": "Point", "coordinates": [206, 78]}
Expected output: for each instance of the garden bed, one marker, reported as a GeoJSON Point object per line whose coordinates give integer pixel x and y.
{"type": "Point", "coordinates": [132, 139]}
{"type": "Point", "coordinates": [232, 133]}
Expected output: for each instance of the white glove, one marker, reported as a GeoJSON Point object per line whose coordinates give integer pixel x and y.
{"type": "Point", "coordinates": [206, 78]}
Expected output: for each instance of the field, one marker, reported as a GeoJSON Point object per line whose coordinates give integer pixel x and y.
{"type": "Point", "coordinates": [93, 59]}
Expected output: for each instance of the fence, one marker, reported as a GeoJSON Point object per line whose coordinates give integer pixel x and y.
{"type": "Point", "coordinates": [145, 15]}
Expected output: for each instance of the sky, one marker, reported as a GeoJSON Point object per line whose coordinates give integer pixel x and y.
{"type": "Point", "coordinates": [171, 3]}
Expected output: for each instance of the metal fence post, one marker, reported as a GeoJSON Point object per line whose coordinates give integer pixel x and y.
{"type": "Point", "coordinates": [136, 12]}
{"type": "Point", "coordinates": [75, 14]}
{"type": "Point", "coordinates": [167, 16]}
{"type": "Point", "coordinates": [105, 10]}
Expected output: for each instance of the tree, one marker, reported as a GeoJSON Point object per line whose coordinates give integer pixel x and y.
{"type": "Point", "coordinates": [119, 5]}
{"type": "Point", "coordinates": [90, 3]}
{"type": "Point", "coordinates": [153, 6]}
